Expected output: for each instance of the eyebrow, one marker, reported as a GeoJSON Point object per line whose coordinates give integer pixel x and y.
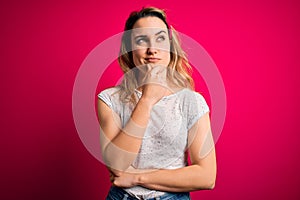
{"type": "Point", "coordinates": [162, 31]}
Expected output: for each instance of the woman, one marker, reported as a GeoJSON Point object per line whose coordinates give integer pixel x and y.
{"type": "Point", "coordinates": [153, 118]}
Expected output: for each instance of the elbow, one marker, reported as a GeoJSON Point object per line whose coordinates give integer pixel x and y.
{"type": "Point", "coordinates": [208, 186]}
{"type": "Point", "coordinates": [211, 182]}
{"type": "Point", "coordinates": [117, 160]}
{"type": "Point", "coordinates": [116, 164]}
{"type": "Point", "coordinates": [211, 178]}
{"type": "Point", "coordinates": [206, 183]}
{"type": "Point", "coordinates": [211, 185]}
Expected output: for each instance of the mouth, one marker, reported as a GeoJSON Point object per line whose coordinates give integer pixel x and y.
{"type": "Point", "coordinates": [152, 60]}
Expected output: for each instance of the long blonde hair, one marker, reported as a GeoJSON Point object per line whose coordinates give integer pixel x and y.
{"type": "Point", "coordinates": [180, 69]}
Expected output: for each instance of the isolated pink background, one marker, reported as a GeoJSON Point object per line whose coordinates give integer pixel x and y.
{"type": "Point", "coordinates": [255, 46]}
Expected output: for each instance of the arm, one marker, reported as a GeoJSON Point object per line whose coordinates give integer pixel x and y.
{"type": "Point", "coordinates": [116, 152]}
{"type": "Point", "coordinates": [201, 174]}
{"type": "Point", "coordinates": [120, 146]}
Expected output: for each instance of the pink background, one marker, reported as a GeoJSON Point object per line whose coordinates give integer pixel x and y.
{"type": "Point", "coordinates": [255, 46]}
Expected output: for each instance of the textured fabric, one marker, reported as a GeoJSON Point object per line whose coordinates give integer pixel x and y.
{"type": "Point", "coordinates": [165, 140]}
{"type": "Point", "coordinates": [116, 193]}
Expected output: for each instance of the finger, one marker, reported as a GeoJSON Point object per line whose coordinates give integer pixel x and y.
{"type": "Point", "coordinates": [159, 71]}
{"type": "Point", "coordinates": [163, 69]}
{"type": "Point", "coordinates": [115, 182]}
{"type": "Point", "coordinates": [157, 75]}
{"type": "Point", "coordinates": [146, 70]}
{"type": "Point", "coordinates": [155, 69]}
{"type": "Point", "coordinates": [149, 67]}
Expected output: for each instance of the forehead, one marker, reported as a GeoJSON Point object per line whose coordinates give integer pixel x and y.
{"type": "Point", "coordinates": [148, 25]}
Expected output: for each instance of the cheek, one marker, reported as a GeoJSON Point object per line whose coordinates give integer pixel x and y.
{"type": "Point", "coordinates": [167, 57]}
{"type": "Point", "coordinates": [137, 55]}
{"type": "Point", "coordinates": [165, 52]}
{"type": "Point", "coordinates": [165, 47]}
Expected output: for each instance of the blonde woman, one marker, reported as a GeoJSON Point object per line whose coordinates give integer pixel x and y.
{"type": "Point", "coordinates": [154, 119]}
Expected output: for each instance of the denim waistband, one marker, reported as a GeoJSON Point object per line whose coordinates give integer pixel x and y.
{"type": "Point", "coordinates": [117, 193]}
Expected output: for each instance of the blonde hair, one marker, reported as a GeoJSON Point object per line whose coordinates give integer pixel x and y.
{"type": "Point", "coordinates": [180, 69]}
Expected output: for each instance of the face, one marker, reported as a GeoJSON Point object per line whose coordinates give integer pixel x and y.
{"type": "Point", "coordinates": [150, 42]}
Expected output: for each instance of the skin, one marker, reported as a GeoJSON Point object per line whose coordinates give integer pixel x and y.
{"type": "Point", "coordinates": [151, 54]}
{"type": "Point", "coordinates": [149, 39]}
{"type": "Point", "coordinates": [201, 174]}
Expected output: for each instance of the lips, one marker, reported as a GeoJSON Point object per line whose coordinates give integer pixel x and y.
{"type": "Point", "coordinates": [152, 60]}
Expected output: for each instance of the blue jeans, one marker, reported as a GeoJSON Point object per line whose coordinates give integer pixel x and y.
{"type": "Point", "coordinates": [117, 193]}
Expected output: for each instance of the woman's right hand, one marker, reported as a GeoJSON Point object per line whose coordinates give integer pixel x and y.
{"type": "Point", "coordinates": [154, 83]}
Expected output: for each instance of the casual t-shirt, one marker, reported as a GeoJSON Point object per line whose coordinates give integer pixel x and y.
{"type": "Point", "coordinates": [165, 139]}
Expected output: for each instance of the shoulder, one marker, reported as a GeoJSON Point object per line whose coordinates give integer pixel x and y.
{"type": "Point", "coordinates": [195, 106]}
{"type": "Point", "coordinates": [109, 91]}
{"type": "Point", "coordinates": [191, 95]}
{"type": "Point", "coordinates": [110, 96]}
{"type": "Point", "coordinates": [194, 102]}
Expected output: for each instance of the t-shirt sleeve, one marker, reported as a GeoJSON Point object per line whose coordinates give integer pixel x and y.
{"type": "Point", "coordinates": [106, 98]}
{"type": "Point", "coordinates": [197, 108]}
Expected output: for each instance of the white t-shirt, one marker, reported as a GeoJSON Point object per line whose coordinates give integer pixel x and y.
{"type": "Point", "coordinates": [165, 140]}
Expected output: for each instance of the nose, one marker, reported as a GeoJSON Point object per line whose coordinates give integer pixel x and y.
{"type": "Point", "coordinates": [151, 50]}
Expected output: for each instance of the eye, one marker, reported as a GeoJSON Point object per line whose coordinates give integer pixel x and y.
{"type": "Point", "coordinates": [141, 41]}
{"type": "Point", "coordinates": [161, 38]}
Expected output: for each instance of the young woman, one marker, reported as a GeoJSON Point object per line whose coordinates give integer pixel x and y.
{"type": "Point", "coordinates": [154, 117]}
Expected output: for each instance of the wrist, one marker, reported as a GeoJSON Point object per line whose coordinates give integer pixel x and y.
{"type": "Point", "coordinates": [133, 129]}
{"type": "Point", "coordinates": [147, 101]}
{"type": "Point", "coordinates": [139, 179]}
